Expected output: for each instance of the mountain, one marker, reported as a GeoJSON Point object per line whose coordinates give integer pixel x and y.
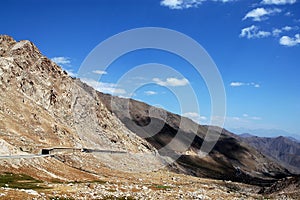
{"type": "Point", "coordinates": [282, 149]}
{"type": "Point", "coordinates": [91, 136]}
{"type": "Point", "coordinates": [230, 159]}
{"type": "Point", "coordinates": [266, 132]}
{"type": "Point", "coordinates": [42, 107]}
{"type": "Point", "coordinates": [245, 135]}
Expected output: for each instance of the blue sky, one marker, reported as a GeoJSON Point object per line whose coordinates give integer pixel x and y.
{"type": "Point", "coordinates": [255, 45]}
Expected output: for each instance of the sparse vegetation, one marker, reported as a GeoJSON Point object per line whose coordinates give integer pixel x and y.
{"type": "Point", "coordinates": [20, 181]}
{"type": "Point", "coordinates": [162, 187]}
{"type": "Point", "coordinates": [118, 198]}
{"type": "Point", "coordinates": [232, 187]}
{"type": "Point", "coordinates": [60, 198]}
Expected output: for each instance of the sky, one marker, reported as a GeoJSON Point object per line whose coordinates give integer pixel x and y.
{"type": "Point", "coordinates": [254, 44]}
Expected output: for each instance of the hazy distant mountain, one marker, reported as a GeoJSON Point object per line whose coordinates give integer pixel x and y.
{"type": "Point", "coordinates": [245, 135]}
{"type": "Point", "coordinates": [265, 132]}
{"type": "Point", "coordinates": [282, 149]}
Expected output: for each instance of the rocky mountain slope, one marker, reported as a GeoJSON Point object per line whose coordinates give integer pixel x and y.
{"type": "Point", "coordinates": [281, 149]}
{"type": "Point", "coordinates": [230, 159]}
{"type": "Point", "coordinates": [42, 107]}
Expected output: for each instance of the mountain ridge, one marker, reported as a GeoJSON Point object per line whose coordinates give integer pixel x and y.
{"type": "Point", "coordinates": [282, 149]}
{"type": "Point", "coordinates": [139, 115]}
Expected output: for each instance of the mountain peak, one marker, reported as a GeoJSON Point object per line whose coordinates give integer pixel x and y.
{"type": "Point", "coordinates": [10, 47]}
{"type": "Point", "coordinates": [6, 42]}
{"type": "Point", "coordinates": [6, 38]}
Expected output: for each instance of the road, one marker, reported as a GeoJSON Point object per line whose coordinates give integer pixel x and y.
{"type": "Point", "coordinates": [52, 154]}
{"type": "Point", "coordinates": [23, 156]}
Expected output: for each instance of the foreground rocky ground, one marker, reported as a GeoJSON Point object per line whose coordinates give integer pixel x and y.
{"type": "Point", "coordinates": [154, 185]}
{"type": "Point", "coordinates": [171, 186]}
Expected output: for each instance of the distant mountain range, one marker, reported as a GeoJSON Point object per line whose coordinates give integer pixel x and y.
{"type": "Point", "coordinates": [285, 150]}
{"type": "Point", "coordinates": [265, 133]}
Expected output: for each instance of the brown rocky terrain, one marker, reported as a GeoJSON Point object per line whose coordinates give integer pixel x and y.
{"type": "Point", "coordinates": [42, 107]}
{"type": "Point", "coordinates": [230, 159]}
{"type": "Point", "coordinates": [281, 149]}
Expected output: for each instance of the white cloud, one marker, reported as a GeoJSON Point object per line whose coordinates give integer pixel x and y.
{"type": "Point", "coordinates": [238, 84]}
{"type": "Point", "coordinates": [225, 1]}
{"type": "Point", "coordinates": [256, 118]}
{"type": "Point", "coordinates": [259, 14]}
{"type": "Point", "coordinates": [287, 28]}
{"type": "Point", "coordinates": [290, 41]}
{"type": "Point", "coordinates": [104, 87]}
{"type": "Point", "coordinates": [278, 2]}
{"type": "Point", "coordinates": [184, 4]}
{"type": "Point", "coordinates": [251, 117]}
{"type": "Point", "coordinates": [173, 4]}
{"type": "Point", "coordinates": [171, 82]}
{"type": "Point", "coordinates": [101, 72]}
{"type": "Point", "coordinates": [61, 60]}
{"type": "Point", "coordinates": [254, 32]}
{"type": "Point", "coordinates": [195, 117]}
{"type": "Point", "coordinates": [288, 14]}
{"type": "Point", "coordinates": [149, 92]}
{"type": "Point", "coordinates": [276, 32]}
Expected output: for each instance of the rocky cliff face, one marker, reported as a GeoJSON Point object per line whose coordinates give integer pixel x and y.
{"type": "Point", "coordinates": [45, 107]}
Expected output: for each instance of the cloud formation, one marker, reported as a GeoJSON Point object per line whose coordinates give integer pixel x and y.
{"type": "Point", "coordinates": [259, 14]}
{"type": "Point", "coordinates": [290, 41]}
{"type": "Point", "coordinates": [278, 2]}
{"type": "Point", "coordinates": [238, 84]}
{"type": "Point", "coordinates": [175, 82]}
{"type": "Point", "coordinates": [184, 4]}
{"type": "Point", "coordinates": [246, 116]}
{"type": "Point", "coordinates": [195, 117]}
{"type": "Point", "coordinates": [61, 60]}
{"type": "Point", "coordinates": [149, 92]}
{"type": "Point", "coordinates": [254, 32]}
{"type": "Point", "coordinates": [277, 31]}
{"type": "Point", "coordinates": [110, 88]}
{"type": "Point", "coordinates": [100, 72]}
